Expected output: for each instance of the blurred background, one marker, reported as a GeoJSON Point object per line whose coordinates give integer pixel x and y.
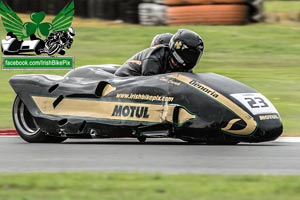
{"type": "Point", "coordinates": [169, 12]}
{"type": "Point", "coordinates": [154, 12]}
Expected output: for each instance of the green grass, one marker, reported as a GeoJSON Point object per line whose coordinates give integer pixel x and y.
{"type": "Point", "coordinates": [118, 186]}
{"type": "Point", "coordinates": [282, 11]}
{"type": "Point", "coordinates": [264, 56]}
{"type": "Point", "coordinates": [282, 6]}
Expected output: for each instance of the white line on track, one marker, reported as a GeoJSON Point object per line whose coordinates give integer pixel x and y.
{"type": "Point", "coordinates": [288, 139]}
{"type": "Point", "coordinates": [1, 136]}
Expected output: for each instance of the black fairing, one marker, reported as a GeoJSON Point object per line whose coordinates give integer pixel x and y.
{"type": "Point", "coordinates": [204, 118]}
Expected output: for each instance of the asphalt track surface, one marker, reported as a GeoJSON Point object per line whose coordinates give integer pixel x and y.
{"type": "Point", "coordinates": [156, 155]}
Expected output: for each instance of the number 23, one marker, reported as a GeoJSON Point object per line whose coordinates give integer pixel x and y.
{"type": "Point", "coordinates": [256, 102]}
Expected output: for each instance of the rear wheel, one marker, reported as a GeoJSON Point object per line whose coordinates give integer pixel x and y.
{"type": "Point", "coordinates": [27, 127]}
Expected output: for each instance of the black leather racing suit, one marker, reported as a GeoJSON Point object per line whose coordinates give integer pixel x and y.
{"type": "Point", "coordinates": [151, 61]}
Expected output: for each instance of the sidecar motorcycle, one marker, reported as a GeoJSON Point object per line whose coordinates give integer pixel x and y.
{"type": "Point", "coordinates": [90, 102]}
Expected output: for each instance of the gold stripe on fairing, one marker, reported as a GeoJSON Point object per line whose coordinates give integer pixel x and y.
{"type": "Point", "coordinates": [184, 116]}
{"type": "Point", "coordinates": [251, 124]}
{"type": "Point", "coordinates": [167, 112]}
{"type": "Point", "coordinates": [109, 110]}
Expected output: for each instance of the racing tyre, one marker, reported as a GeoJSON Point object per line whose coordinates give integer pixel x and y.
{"type": "Point", "coordinates": [62, 52]}
{"type": "Point", "coordinates": [39, 48]}
{"type": "Point", "coordinates": [53, 49]}
{"type": "Point", "coordinates": [38, 52]}
{"type": "Point", "coordinates": [222, 142]}
{"type": "Point", "coordinates": [27, 127]}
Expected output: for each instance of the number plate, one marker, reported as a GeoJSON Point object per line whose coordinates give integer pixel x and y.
{"type": "Point", "coordinates": [256, 103]}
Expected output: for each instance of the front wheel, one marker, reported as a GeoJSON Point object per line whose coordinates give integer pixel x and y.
{"type": "Point", "coordinates": [27, 127]}
{"type": "Point", "coordinates": [53, 49]}
{"type": "Point", "coordinates": [62, 52]}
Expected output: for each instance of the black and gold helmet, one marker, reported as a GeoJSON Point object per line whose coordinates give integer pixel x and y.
{"type": "Point", "coordinates": [186, 48]}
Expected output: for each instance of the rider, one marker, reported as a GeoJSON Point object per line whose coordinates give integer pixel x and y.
{"type": "Point", "coordinates": [163, 38]}
{"type": "Point", "coordinates": [181, 55]}
{"type": "Point", "coordinates": [70, 35]}
{"type": "Point", "coordinates": [65, 37]}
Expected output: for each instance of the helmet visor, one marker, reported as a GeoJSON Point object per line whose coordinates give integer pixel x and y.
{"type": "Point", "coordinates": [190, 56]}
{"type": "Point", "coordinates": [178, 58]}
